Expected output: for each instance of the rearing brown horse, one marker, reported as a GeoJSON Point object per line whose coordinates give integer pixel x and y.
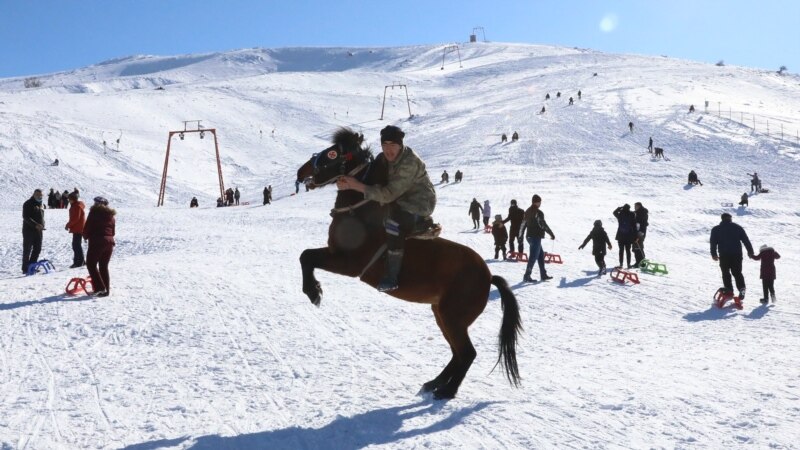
{"type": "Point", "coordinates": [451, 277]}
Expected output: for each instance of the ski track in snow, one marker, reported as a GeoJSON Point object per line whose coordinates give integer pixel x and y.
{"type": "Point", "coordinates": [207, 341]}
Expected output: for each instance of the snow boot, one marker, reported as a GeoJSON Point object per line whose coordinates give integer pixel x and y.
{"type": "Point", "coordinates": [394, 260]}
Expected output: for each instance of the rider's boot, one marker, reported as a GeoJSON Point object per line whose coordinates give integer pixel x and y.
{"type": "Point", "coordinates": [394, 260]}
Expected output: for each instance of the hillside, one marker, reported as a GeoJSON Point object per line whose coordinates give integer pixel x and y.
{"type": "Point", "coordinates": [208, 342]}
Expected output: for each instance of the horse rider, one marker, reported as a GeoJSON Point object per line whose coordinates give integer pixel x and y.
{"type": "Point", "coordinates": [410, 193]}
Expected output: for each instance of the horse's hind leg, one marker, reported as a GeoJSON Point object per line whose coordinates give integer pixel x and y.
{"type": "Point", "coordinates": [309, 260]}
{"type": "Point", "coordinates": [449, 369]}
{"type": "Point", "coordinates": [455, 321]}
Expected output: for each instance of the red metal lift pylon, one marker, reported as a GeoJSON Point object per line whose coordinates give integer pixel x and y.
{"type": "Point", "coordinates": [181, 134]}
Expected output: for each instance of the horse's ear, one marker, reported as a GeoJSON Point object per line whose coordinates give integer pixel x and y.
{"type": "Point", "coordinates": [360, 138]}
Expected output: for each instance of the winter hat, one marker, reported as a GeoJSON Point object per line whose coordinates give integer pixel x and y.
{"type": "Point", "coordinates": [598, 223]}
{"type": "Point", "coordinates": [392, 133]}
{"type": "Point", "coordinates": [626, 207]}
{"type": "Point", "coordinates": [536, 198]}
{"type": "Point", "coordinates": [725, 217]}
{"type": "Point", "coordinates": [73, 196]}
{"type": "Point", "coordinates": [498, 217]}
{"type": "Point", "coordinates": [763, 247]}
{"type": "Point", "coordinates": [514, 202]}
{"type": "Point", "coordinates": [101, 200]}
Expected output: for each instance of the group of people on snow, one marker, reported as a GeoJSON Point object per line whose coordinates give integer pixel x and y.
{"type": "Point", "coordinates": [514, 137]}
{"type": "Point", "coordinates": [59, 200]}
{"type": "Point", "coordinates": [98, 229]}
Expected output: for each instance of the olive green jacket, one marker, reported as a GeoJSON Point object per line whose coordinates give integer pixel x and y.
{"type": "Point", "coordinates": [409, 186]}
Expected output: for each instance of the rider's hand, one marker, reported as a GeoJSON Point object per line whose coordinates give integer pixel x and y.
{"type": "Point", "coordinates": [715, 258]}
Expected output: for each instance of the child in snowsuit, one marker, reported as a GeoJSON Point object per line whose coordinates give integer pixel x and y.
{"type": "Point", "coordinates": [600, 241]}
{"type": "Point", "coordinates": [744, 201]}
{"type": "Point", "coordinates": [767, 255]}
{"type": "Point", "coordinates": [487, 213]}
{"type": "Point", "coordinates": [500, 235]}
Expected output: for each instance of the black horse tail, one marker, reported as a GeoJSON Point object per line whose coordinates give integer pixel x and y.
{"type": "Point", "coordinates": [509, 329]}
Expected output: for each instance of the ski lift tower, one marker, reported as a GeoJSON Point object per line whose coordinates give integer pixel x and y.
{"type": "Point", "coordinates": [396, 85]}
{"type": "Point", "coordinates": [451, 49]}
{"type": "Point", "coordinates": [474, 36]}
{"type": "Point", "coordinates": [197, 127]}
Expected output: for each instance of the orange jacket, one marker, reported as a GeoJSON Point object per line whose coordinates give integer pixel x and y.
{"type": "Point", "coordinates": [77, 218]}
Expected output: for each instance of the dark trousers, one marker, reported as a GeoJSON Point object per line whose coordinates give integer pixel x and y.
{"type": "Point", "coordinates": [769, 288]}
{"type": "Point", "coordinates": [513, 235]}
{"type": "Point", "coordinates": [99, 253]}
{"type": "Point", "coordinates": [600, 260]}
{"type": "Point", "coordinates": [731, 265]}
{"type": "Point", "coordinates": [476, 223]}
{"type": "Point", "coordinates": [77, 250]}
{"type": "Point", "coordinates": [237, 202]}
{"type": "Point", "coordinates": [398, 225]}
{"type": "Point", "coordinates": [485, 221]}
{"type": "Point", "coordinates": [537, 255]}
{"type": "Point", "coordinates": [31, 247]}
{"type": "Point", "coordinates": [638, 253]}
{"type": "Point", "coordinates": [497, 248]}
{"type": "Point", "coordinates": [624, 248]}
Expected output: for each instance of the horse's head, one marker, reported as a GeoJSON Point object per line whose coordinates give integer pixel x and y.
{"type": "Point", "coordinates": [344, 157]}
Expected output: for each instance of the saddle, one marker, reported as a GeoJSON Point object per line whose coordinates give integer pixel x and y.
{"type": "Point", "coordinates": [431, 231]}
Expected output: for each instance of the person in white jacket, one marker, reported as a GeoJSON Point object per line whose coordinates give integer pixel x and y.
{"type": "Point", "coordinates": [487, 213]}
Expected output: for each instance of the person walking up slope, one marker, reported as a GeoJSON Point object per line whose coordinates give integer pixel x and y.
{"type": "Point", "coordinates": [767, 255]}
{"type": "Point", "coordinates": [600, 241]}
{"type": "Point", "coordinates": [99, 230]}
{"type": "Point", "coordinates": [475, 211]}
{"type": "Point", "coordinates": [536, 228]}
{"type": "Point", "coordinates": [726, 247]}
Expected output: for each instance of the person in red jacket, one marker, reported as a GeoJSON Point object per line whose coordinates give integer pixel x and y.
{"type": "Point", "coordinates": [767, 255]}
{"type": "Point", "coordinates": [77, 217]}
{"type": "Point", "coordinates": [99, 230]}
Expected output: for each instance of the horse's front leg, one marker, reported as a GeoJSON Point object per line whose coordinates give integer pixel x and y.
{"type": "Point", "coordinates": [309, 260]}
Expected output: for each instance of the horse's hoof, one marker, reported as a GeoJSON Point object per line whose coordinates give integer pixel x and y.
{"type": "Point", "coordinates": [314, 294]}
{"type": "Point", "coordinates": [444, 393]}
{"type": "Point", "coordinates": [430, 386]}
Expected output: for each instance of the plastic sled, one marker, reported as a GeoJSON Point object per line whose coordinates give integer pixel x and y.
{"type": "Point", "coordinates": [552, 258]}
{"type": "Point", "coordinates": [620, 276]}
{"type": "Point", "coordinates": [43, 264]}
{"type": "Point", "coordinates": [487, 229]}
{"type": "Point", "coordinates": [75, 285]}
{"type": "Point", "coordinates": [651, 267]}
{"type": "Point", "coordinates": [721, 297]}
{"type": "Point", "coordinates": [517, 256]}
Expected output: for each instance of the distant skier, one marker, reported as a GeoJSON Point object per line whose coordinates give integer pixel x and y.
{"type": "Point", "coordinates": [570, 101]}
{"type": "Point", "coordinates": [558, 94]}
{"type": "Point", "coordinates": [693, 178]}
{"type": "Point", "coordinates": [691, 109]}
{"type": "Point", "coordinates": [193, 203]}
{"type": "Point", "coordinates": [445, 177]}
{"type": "Point", "coordinates": [55, 163]}
{"type": "Point", "coordinates": [650, 145]}
{"type": "Point", "coordinates": [503, 138]}
{"type": "Point", "coordinates": [600, 241]}
{"type": "Point", "coordinates": [514, 137]}
{"type": "Point", "coordinates": [767, 255]}
{"type": "Point", "coordinates": [500, 235]}
{"type": "Point", "coordinates": [542, 111]}
{"type": "Point", "coordinates": [630, 126]}
{"type": "Point", "coordinates": [726, 247]}
{"type": "Point", "coordinates": [236, 196]}
{"type": "Point", "coordinates": [547, 97]}
{"type": "Point", "coordinates": [475, 210]}
{"type": "Point", "coordinates": [459, 175]}
{"type": "Point", "coordinates": [579, 94]}
{"type": "Point", "coordinates": [266, 196]}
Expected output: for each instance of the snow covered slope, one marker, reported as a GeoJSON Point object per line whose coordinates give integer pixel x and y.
{"type": "Point", "coordinates": [208, 342]}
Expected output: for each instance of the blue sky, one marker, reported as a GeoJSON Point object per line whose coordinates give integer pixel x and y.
{"type": "Point", "coordinates": [42, 36]}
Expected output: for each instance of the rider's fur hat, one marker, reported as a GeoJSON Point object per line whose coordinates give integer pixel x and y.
{"type": "Point", "coordinates": [393, 134]}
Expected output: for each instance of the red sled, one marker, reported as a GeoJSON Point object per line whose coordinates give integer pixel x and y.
{"type": "Point", "coordinates": [722, 297]}
{"type": "Point", "coordinates": [487, 229]}
{"type": "Point", "coordinates": [76, 285]}
{"type": "Point", "coordinates": [552, 258]}
{"type": "Point", "coordinates": [620, 276]}
{"type": "Point", "coordinates": [518, 256]}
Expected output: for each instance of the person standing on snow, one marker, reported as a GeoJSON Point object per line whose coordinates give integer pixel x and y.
{"type": "Point", "coordinates": [626, 231]}
{"type": "Point", "coordinates": [515, 216]}
{"type": "Point", "coordinates": [32, 229]}
{"type": "Point", "coordinates": [236, 196]}
{"type": "Point", "coordinates": [767, 255]}
{"type": "Point", "coordinates": [487, 212]}
{"type": "Point", "coordinates": [536, 227]}
{"type": "Point", "coordinates": [500, 235]}
{"type": "Point", "coordinates": [475, 211]}
{"type": "Point", "coordinates": [99, 230]}
{"type": "Point", "coordinates": [600, 241]}
{"type": "Point", "coordinates": [726, 247]}
{"type": "Point", "coordinates": [77, 217]}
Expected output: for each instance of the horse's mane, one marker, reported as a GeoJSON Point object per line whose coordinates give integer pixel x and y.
{"type": "Point", "coordinates": [348, 139]}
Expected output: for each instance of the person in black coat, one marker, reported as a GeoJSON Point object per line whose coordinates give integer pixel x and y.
{"type": "Point", "coordinates": [744, 201]}
{"type": "Point", "coordinates": [642, 216]}
{"type": "Point", "coordinates": [515, 216]}
{"type": "Point", "coordinates": [600, 241]}
{"type": "Point", "coordinates": [626, 231]}
{"type": "Point", "coordinates": [32, 229]}
{"type": "Point", "coordinates": [726, 247]}
{"type": "Point", "coordinates": [475, 210]}
{"type": "Point", "coordinates": [193, 203]}
{"type": "Point", "coordinates": [500, 236]}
